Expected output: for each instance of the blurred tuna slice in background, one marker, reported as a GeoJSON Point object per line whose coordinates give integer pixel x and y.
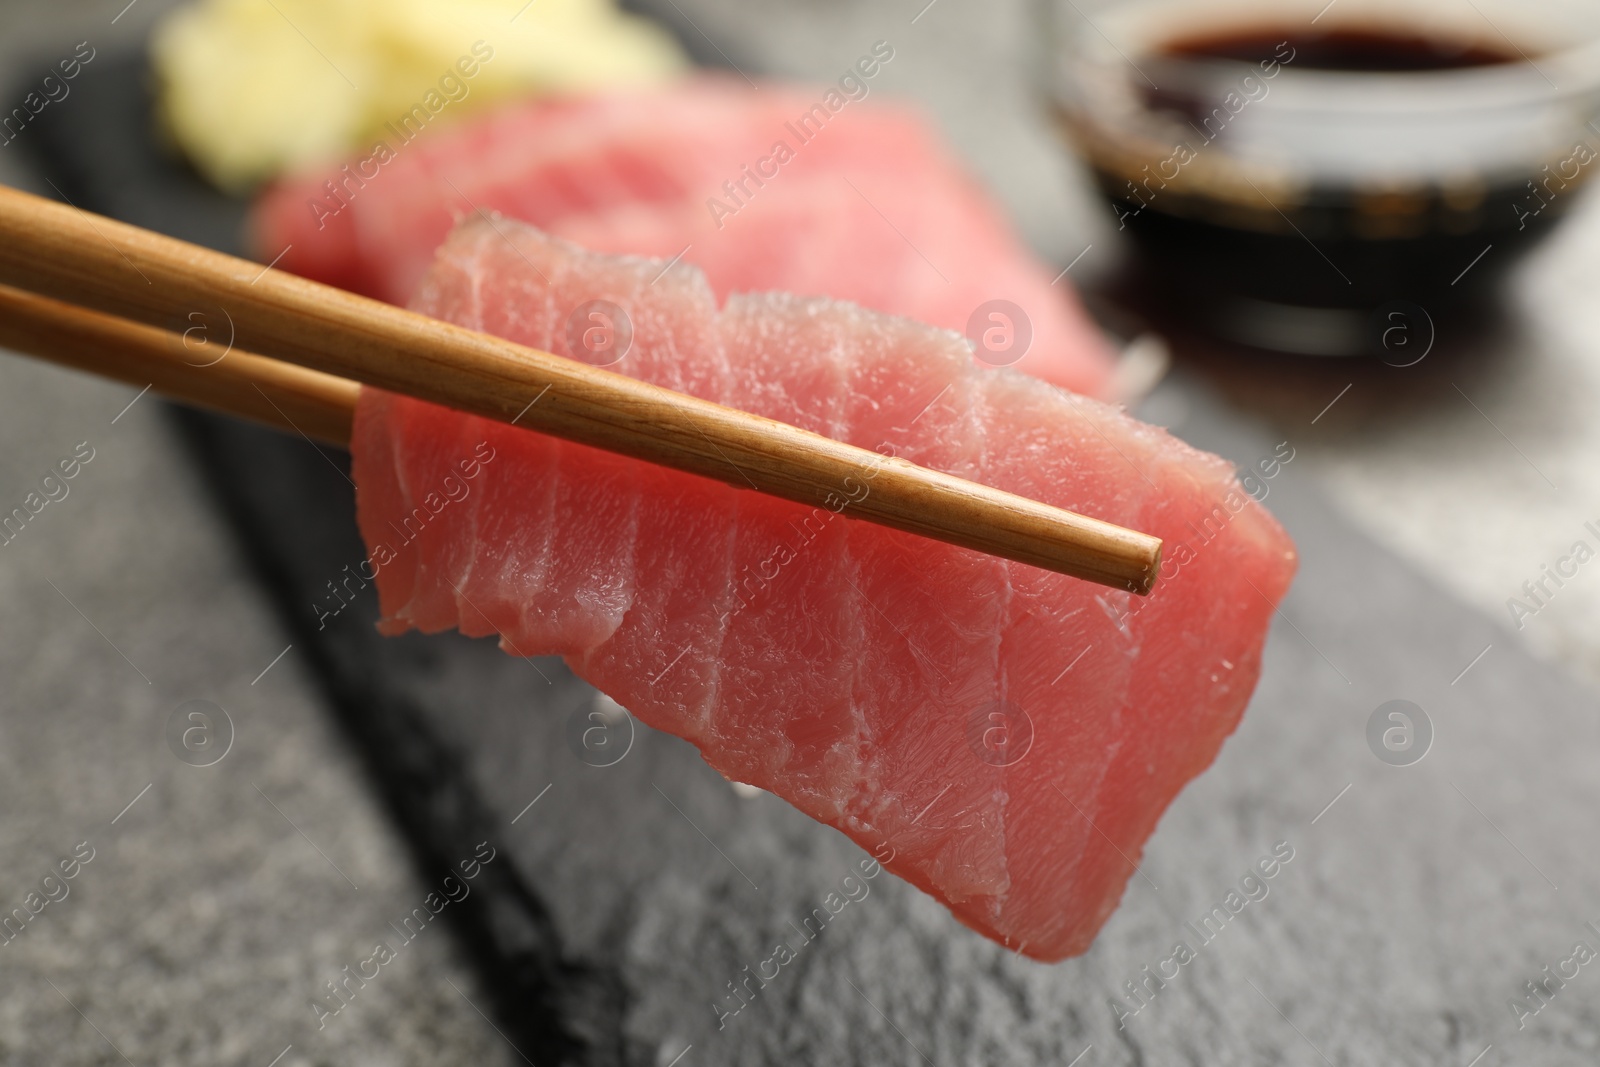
{"type": "Point", "coordinates": [803, 190]}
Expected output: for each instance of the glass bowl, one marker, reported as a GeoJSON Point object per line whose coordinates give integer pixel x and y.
{"type": "Point", "coordinates": [1285, 171]}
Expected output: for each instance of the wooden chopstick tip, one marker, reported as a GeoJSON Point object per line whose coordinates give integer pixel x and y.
{"type": "Point", "coordinates": [1145, 584]}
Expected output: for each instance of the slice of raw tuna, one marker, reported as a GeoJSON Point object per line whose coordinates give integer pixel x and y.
{"type": "Point", "coordinates": [762, 190]}
{"type": "Point", "coordinates": [1007, 737]}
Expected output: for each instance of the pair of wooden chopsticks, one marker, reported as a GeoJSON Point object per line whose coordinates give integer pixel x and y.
{"type": "Point", "coordinates": [115, 299]}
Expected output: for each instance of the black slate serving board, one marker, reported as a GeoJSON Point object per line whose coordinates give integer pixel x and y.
{"type": "Point", "coordinates": [1418, 900]}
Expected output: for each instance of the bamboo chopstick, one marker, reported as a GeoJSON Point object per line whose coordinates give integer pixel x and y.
{"type": "Point", "coordinates": [264, 390]}
{"type": "Point", "coordinates": [59, 251]}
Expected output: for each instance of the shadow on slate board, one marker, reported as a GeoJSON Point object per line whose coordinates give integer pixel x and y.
{"type": "Point", "coordinates": [642, 895]}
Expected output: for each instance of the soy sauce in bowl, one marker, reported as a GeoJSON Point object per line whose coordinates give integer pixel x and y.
{"type": "Point", "coordinates": [1283, 179]}
{"type": "Point", "coordinates": [1390, 49]}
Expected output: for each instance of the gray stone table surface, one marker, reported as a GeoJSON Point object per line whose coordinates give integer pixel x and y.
{"type": "Point", "coordinates": [217, 905]}
{"type": "Point", "coordinates": [220, 902]}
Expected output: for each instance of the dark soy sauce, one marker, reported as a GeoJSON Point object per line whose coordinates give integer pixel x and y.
{"type": "Point", "coordinates": [1352, 49]}
{"type": "Point", "coordinates": [1223, 260]}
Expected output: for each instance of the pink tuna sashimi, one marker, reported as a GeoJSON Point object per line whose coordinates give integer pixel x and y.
{"type": "Point", "coordinates": [865, 205]}
{"type": "Point", "coordinates": [1008, 737]}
